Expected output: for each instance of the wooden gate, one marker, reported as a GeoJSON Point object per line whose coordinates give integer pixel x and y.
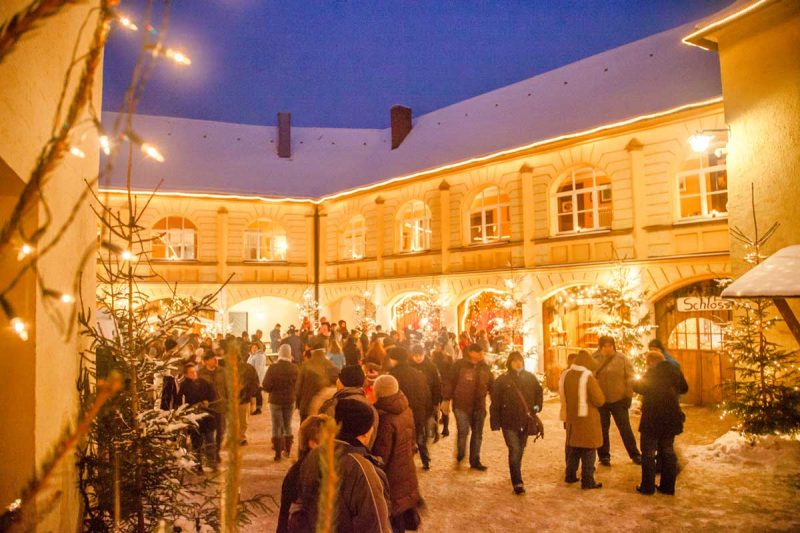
{"type": "Point", "coordinates": [695, 337]}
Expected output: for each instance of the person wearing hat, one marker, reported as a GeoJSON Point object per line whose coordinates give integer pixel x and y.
{"type": "Point", "coordinates": [362, 501]}
{"type": "Point", "coordinates": [467, 386]}
{"type": "Point", "coordinates": [662, 419]}
{"type": "Point", "coordinates": [516, 398]}
{"type": "Point", "coordinates": [279, 382]}
{"type": "Point", "coordinates": [395, 445]}
{"type": "Point", "coordinates": [215, 375]}
{"type": "Point", "coordinates": [316, 373]}
{"type": "Point", "coordinates": [350, 384]}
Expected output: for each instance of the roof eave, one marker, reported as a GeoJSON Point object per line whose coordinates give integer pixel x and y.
{"type": "Point", "coordinates": [705, 36]}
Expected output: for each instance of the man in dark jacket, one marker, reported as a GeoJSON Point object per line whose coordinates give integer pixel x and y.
{"type": "Point", "coordinates": [362, 502]}
{"type": "Point", "coordinates": [516, 398]}
{"type": "Point", "coordinates": [415, 387]}
{"type": "Point", "coordinates": [469, 382]}
{"type": "Point", "coordinates": [662, 419]}
{"type": "Point", "coordinates": [422, 363]}
{"type": "Point", "coordinates": [214, 374]}
{"type": "Point", "coordinates": [615, 374]}
{"type": "Point", "coordinates": [280, 382]}
{"type": "Point", "coordinates": [275, 338]}
{"type": "Point", "coordinates": [248, 388]}
{"type": "Point", "coordinates": [350, 384]}
{"type": "Point", "coordinates": [196, 391]}
{"type": "Point", "coordinates": [316, 373]}
{"type": "Point", "coordinates": [296, 343]}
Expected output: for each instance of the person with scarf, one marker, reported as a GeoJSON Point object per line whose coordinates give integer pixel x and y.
{"type": "Point", "coordinates": [280, 381]}
{"type": "Point", "coordinates": [516, 398]}
{"type": "Point", "coordinates": [581, 397]}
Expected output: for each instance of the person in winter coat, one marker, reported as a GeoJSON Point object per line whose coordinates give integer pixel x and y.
{"type": "Point", "coordinates": [307, 440]}
{"type": "Point", "coordinates": [415, 386]}
{"type": "Point", "coordinates": [248, 389]}
{"type": "Point", "coordinates": [350, 384]}
{"type": "Point", "coordinates": [615, 375]}
{"type": "Point", "coordinates": [362, 502]}
{"type": "Point", "coordinates": [661, 420]}
{"type": "Point", "coordinates": [275, 338]}
{"type": "Point", "coordinates": [395, 445]}
{"type": "Point", "coordinates": [657, 345]}
{"type": "Point", "coordinates": [581, 397]}
{"type": "Point", "coordinates": [335, 354]}
{"type": "Point", "coordinates": [376, 353]}
{"type": "Point", "coordinates": [259, 361]}
{"type": "Point", "coordinates": [469, 382]}
{"type": "Point", "coordinates": [516, 398]}
{"type": "Point", "coordinates": [195, 391]}
{"type": "Point", "coordinates": [280, 381]}
{"type": "Point", "coordinates": [421, 362]}
{"type": "Point", "coordinates": [296, 343]}
{"type": "Point", "coordinates": [444, 364]}
{"type": "Point", "coordinates": [316, 373]}
{"type": "Point", "coordinates": [214, 374]}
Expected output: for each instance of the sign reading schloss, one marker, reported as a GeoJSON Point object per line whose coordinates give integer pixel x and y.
{"type": "Point", "coordinates": [703, 303]}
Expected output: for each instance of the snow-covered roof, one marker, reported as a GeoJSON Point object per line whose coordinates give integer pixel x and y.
{"type": "Point", "coordinates": [777, 277]}
{"type": "Point", "coordinates": [644, 77]}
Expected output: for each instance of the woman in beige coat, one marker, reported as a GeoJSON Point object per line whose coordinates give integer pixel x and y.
{"type": "Point", "coordinates": [580, 397]}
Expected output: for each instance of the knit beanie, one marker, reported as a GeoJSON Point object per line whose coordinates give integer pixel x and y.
{"type": "Point", "coordinates": [352, 376]}
{"type": "Point", "coordinates": [399, 354]}
{"type": "Point", "coordinates": [284, 352]}
{"type": "Point", "coordinates": [385, 385]}
{"type": "Point", "coordinates": [354, 416]}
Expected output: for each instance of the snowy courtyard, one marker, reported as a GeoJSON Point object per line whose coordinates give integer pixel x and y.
{"type": "Point", "coordinates": [723, 485]}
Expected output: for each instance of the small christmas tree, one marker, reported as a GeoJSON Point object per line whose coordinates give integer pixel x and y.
{"type": "Point", "coordinates": [365, 313]}
{"type": "Point", "coordinates": [308, 310]}
{"type": "Point", "coordinates": [624, 316]}
{"type": "Point", "coordinates": [764, 393]}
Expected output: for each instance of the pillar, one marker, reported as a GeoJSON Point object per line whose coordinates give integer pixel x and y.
{"type": "Point", "coordinates": [634, 148]}
{"type": "Point", "coordinates": [528, 218]}
{"type": "Point", "coordinates": [222, 244]}
{"type": "Point", "coordinates": [444, 224]}
{"type": "Point", "coordinates": [380, 237]}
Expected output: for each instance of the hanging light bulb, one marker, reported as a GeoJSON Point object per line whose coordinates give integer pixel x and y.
{"type": "Point", "coordinates": [77, 152]}
{"type": "Point", "coordinates": [152, 152]}
{"type": "Point", "coordinates": [105, 144]}
{"type": "Point", "coordinates": [20, 328]}
{"type": "Point", "coordinates": [126, 22]}
{"type": "Point", "coordinates": [177, 56]}
{"type": "Point", "coordinates": [24, 251]}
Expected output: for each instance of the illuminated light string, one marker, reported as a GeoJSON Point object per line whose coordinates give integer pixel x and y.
{"type": "Point", "coordinates": [733, 16]}
{"type": "Point", "coordinates": [422, 173]}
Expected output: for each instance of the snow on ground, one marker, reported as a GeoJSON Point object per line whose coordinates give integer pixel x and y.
{"type": "Point", "coordinates": [724, 484]}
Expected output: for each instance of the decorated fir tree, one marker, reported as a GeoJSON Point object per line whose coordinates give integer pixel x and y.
{"type": "Point", "coordinates": [764, 393]}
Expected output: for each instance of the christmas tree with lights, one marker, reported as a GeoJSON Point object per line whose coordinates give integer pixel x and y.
{"type": "Point", "coordinates": [764, 393]}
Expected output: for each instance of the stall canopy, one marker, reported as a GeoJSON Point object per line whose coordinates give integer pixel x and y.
{"type": "Point", "coordinates": [778, 278]}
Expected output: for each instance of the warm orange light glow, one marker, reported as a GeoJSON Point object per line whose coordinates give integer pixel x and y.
{"type": "Point", "coordinates": [152, 152]}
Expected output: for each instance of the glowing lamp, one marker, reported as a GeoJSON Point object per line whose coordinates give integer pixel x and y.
{"type": "Point", "coordinates": [700, 142]}
{"type": "Point", "coordinates": [152, 152]}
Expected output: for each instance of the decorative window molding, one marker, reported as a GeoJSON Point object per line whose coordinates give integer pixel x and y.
{"type": "Point", "coordinates": [582, 202]}
{"type": "Point", "coordinates": [354, 239]}
{"type": "Point", "coordinates": [414, 227]}
{"type": "Point", "coordinates": [265, 241]}
{"type": "Point", "coordinates": [174, 239]}
{"type": "Point", "coordinates": [489, 218]}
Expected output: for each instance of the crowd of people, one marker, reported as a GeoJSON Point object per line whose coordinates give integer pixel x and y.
{"type": "Point", "coordinates": [392, 395]}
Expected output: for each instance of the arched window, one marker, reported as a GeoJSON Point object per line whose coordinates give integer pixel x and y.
{"type": "Point", "coordinates": [415, 227]}
{"type": "Point", "coordinates": [697, 333]}
{"type": "Point", "coordinates": [354, 238]}
{"type": "Point", "coordinates": [265, 240]}
{"type": "Point", "coordinates": [175, 238]}
{"type": "Point", "coordinates": [703, 183]}
{"type": "Point", "coordinates": [490, 217]}
{"type": "Point", "coordinates": [583, 201]}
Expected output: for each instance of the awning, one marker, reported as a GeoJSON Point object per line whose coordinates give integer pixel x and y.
{"type": "Point", "coordinates": [778, 278]}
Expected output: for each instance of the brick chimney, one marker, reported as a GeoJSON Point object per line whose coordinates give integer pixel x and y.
{"type": "Point", "coordinates": [284, 135]}
{"type": "Point", "coordinates": [401, 124]}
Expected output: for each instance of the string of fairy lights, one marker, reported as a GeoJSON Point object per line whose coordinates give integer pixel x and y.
{"type": "Point", "coordinates": [27, 251]}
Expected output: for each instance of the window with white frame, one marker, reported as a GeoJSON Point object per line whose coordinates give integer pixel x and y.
{"type": "Point", "coordinates": [703, 183]}
{"type": "Point", "coordinates": [490, 217]}
{"type": "Point", "coordinates": [354, 238]}
{"type": "Point", "coordinates": [175, 239]}
{"type": "Point", "coordinates": [583, 201]}
{"type": "Point", "coordinates": [415, 227]}
{"type": "Point", "coordinates": [265, 240]}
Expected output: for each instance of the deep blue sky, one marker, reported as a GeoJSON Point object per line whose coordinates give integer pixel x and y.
{"type": "Point", "coordinates": [344, 63]}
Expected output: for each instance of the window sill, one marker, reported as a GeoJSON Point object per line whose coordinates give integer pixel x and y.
{"type": "Point", "coordinates": [688, 223]}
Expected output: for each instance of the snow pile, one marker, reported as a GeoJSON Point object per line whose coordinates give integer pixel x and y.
{"type": "Point", "coordinates": [770, 451]}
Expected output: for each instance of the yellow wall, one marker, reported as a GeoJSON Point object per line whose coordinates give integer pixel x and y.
{"type": "Point", "coordinates": [760, 62]}
{"type": "Point", "coordinates": [48, 365]}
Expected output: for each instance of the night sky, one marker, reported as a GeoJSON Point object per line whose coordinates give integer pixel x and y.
{"type": "Point", "coordinates": [344, 63]}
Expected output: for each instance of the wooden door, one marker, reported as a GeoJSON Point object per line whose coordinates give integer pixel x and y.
{"type": "Point", "coordinates": [696, 343]}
